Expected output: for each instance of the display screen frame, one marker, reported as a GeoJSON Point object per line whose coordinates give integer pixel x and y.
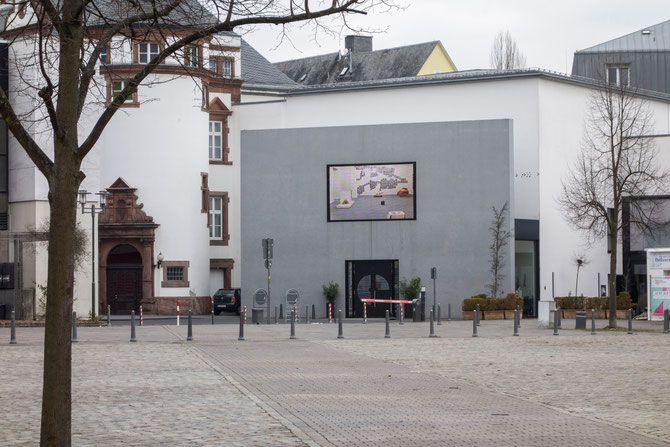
{"type": "Point", "coordinates": [394, 163]}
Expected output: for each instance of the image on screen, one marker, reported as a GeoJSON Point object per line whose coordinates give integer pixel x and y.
{"type": "Point", "coordinates": [371, 192]}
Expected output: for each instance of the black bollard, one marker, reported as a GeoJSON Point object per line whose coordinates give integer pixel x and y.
{"type": "Point", "coordinates": [478, 314]}
{"type": "Point", "coordinates": [12, 334]}
{"type": "Point", "coordinates": [276, 320]}
{"type": "Point", "coordinates": [306, 314]}
{"type": "Point", "coordinates": [474, 324]}
{"type": "Point", "coordinates": [313, 312]}
{"type": "Point", "coordinates": [212, 313]}
{"type": "Point", "coordinates": [292, 324]}
{"type": "Point", "coordinates": [189, 335]}
{"type": "Point", "coordinates": [666, 321]}
{"type": "Point", "coordinates": [340, 334]}
{"type": "Point", "coordinates": [388, 327]}
{"type": "Point", "coordinates": [281, 312]}
{"type": "Point", "coordinates": [132, 327]}
{"type": "Point", "coordinates": [448, 311]}
{"type": "Point", "coordinates": [518, 318]}
{"type": "Point", "coordinates": [556, 322]}
{"type": "Point", "coordinates": [516, 322]}
{"type": "Point", "coordinates": [559, 317]}
{"type": "Point", "coordinates": [630, 321]}
{"type": "Point", "coordinates": [241, 336]}
{"type": "Point", "coordinates": [439, 315]}
{"type": "Point", "coordinates": [593, 322]}
{"type": "Point", "coordinates": [109, 316]}
{"type": "Point", "coordinates": [74, 327]}
{"type": "Point", "coordinates": [432, 326]}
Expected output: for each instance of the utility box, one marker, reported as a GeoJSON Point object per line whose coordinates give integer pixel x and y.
{"type": "Point", "coordinates": [257, 315]}
{"type": "Point", "coordinates": [580, 320]}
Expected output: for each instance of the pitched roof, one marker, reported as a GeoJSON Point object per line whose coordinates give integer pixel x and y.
{"type": "Point", "coordinates": [399, 62]}
{"type": "Point", "coordinates": [651, 38]}
{"type": "Point", "coordinates": [258, 70]}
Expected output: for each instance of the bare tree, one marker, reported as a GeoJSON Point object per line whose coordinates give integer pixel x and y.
{"type": "Point", "coordinates": [505, 54]}
{"type": "Point", "coordinates": [616, 162]}
{"type": "Point", "coordinates": [66, 40]}
{"type": "Point", "coordinates": [499, 240]}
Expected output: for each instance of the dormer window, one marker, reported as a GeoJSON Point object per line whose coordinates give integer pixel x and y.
{"type": "Point", "coordinates": [618, 75]}
{"type": "Point", "coordinates": [147, 51]}
{"type": "Point", "coordinates": [227, 68]}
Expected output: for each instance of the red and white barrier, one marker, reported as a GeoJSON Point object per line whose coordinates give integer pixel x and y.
{"type": "Point", "coordinates": [245, 314]}
{"type": "Point", "coordinates": [330, 313]}
{"type": "Point", "coordinates": [402, 312]}
{"type": "Point", "coordinates": [295, 313]}
{"type": "Point", "coordinates": [370, 300]}
{"type": "Point", "coordinates": [177, 312]}
{"type": "Point", "coordinates": [365, 313]}
{"type": "Point", "coordinates": [141, 316]}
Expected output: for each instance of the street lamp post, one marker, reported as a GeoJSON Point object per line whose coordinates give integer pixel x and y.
{"type": "Point", "coordinates": [93, 210]}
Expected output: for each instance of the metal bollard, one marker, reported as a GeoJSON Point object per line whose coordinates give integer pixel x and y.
{"type": "Point", "coordinates": [518, 309]}
{"type": "Point", "coordinates": [439, 315]}
{"type": "Point", "coordinates": [141, 316]}
{"type": "Point", "coordinates": [340, 334]}
{"type": "Point", "coordinates": [388, 327]}
{"type": "Point", "coordinates": [109, 316]}
{"type": "Point", "coordinates": [448, 311]}
{"type": "Point", "coordinates": [12, 334]}
{"type": "Point", "coordinates": [516, 322]}
{"type": "Point", "coordinates": [212, 310]}
{"type": "Point", "coordinates": [313, 312]}
{"type": "Point", "coordinates": [593, 322]}
{"type": "Point", "coordinates": [365, 313]}
{"type": "Point", "coordinates": [306, 314]}
{"type": "Point", "coordinates": [474, 325]}
{"type": "Point", "coordinates": [281, 312]}
{"type": "Point", "coordinates": [478, 314]}
{"type": "Point", "coordinates": [630, 321]}
{"type": "Point", "coordinates": [432, 326]}
{"type": "Point", "coordinates": [402, 313]}
{"type": "Point", "coordinates": [132, 327]}
{"type": "Point", "coordinates": [241, 336]}
{"type": "Point", "coordinates": [292, 324]}
{"type": "Point", "coordinates": [189, 335]}
{"type": "Point", "coordinates": [330, 313]}
{"type": "Point", "coordinates": [276, 320]}
{"type": "Point", "coordinates": [177, 312]}
{"type": "Point", "coordinates": [74, 327]}
{"type": "Point", "coordinates": [556, 322]}
{"type": "Point", "coordinates": [559, 317]}
{"type": "Point", "coordinates": [666, 321]}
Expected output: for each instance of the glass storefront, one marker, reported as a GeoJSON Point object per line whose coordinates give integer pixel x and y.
{"type": "Point", "coordinates": [525, 281]}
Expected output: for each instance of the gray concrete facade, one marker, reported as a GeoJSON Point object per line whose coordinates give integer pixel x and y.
{"type": "Point", "coordinates": [462, 170]}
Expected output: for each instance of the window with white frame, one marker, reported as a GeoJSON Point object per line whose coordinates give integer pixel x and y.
{"type": "Point", "coordinates": [618, 75]}
{"type": "Point", "coordinates": [215, 217]}
{"type": "Point", "coordinates": [191, 56]}
{"type": "Point", "coordinates": [117, 87]}
{"type": "Point", "coordinates": [146, 51]}
{"type": "Point", "coordinates": [103, 55]}
{"type": "Point", "coordinates": [227, 68]}
{"type": "Point", "coordinates": [212, 65]}
{"type": "Point", "coordinates": [215, 139]}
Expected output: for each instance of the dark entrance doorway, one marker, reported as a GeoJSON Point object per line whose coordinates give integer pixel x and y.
{"type": "Point", "coordinates": [124, 279]}
{"type": "Point", "coordinates": [371, 279]}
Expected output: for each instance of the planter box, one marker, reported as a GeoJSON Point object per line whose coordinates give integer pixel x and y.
{"type": "Point", "coordinates": [600, 314]}
{"type": "Point", "coordinates": [622, 314]}
{"type": "Point", "coordinates": [493, 315]}
{"type": "Point", "coordinates": [468, 314]}
{"type": "Point", "coordinates": [569, 313]}
{"type": "Point", "coordinates": [509, 314]}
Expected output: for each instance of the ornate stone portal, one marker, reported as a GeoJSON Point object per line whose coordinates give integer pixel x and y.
{"type": "Point", "coordinates": [123, 222]}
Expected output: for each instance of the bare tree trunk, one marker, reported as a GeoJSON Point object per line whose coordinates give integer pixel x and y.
{"type": "Point", "coordinates": [612, 281]}
{"type": "Point", "coordinates": [63, 185]}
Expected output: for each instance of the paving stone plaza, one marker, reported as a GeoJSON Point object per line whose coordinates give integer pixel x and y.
{"type": "Point", "coordinates": [535, 389]}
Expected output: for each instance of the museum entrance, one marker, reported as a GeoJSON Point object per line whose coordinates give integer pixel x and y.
{"type": "Point", "coordinates": [371, 279]}
{"type": "Point", "coordinates": [124, 280]}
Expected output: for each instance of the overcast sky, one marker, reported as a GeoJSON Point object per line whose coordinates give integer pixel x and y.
{"type": "Point", "coordinates": [548, 33]}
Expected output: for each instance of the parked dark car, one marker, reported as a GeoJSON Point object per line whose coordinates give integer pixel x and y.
{"type": "Point", "coordinates": [227, 300]}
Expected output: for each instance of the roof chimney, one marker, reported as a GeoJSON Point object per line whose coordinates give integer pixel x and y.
{"type": "Point", "coordinates": [358, 44]}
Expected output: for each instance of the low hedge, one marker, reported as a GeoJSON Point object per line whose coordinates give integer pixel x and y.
{"type": "Point", "coordinates": [510, 302]}
{"type": "Point", "coordinates": [599, 302]}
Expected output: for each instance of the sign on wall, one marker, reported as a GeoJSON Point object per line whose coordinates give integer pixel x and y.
{"type": "Point", "coordinates": [660, 295]}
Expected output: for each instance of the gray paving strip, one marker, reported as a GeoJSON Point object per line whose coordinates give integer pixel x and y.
{"type": "Point", "coordinates": [340, 398]}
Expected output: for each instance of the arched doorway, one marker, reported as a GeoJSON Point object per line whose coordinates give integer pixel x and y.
{"type": "Point", "coordinates": [124, 279]}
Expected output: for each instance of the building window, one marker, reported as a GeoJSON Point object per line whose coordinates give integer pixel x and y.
{"type": "Point", "coordinates": [175, 274]}
{"type": "Point", "coordinates": [618, 75]}
{"type": "Point", "coordinates": [227, 68]}
{"type": "Point", "coordinates": [104, 54]}
{"type": "Point", "coordinates": [147, 51]}
{"type": "Point", "coordinates": [116, 86]}
{"type": "Point", "coordinates": [191, 56]}
{"type": "Point", "coordinates": [212, 65]}
{"type": "Point", "coordinates": [215, 139]}
{"type": "Point", "coordinates": [218, 218]}
{"type": "Point", "coordinates": [204, 194]}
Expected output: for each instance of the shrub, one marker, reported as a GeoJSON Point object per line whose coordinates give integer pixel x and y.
{"type": "Point", "coordinates": [410, 290]}
{"type": "Point", "coordinates": [470, 304]}
{"type": "Point", "coordinates": [623, 302]}
{"type": "Point", "coordinates": [330, 291]}
{"type": "Point", "coordinates": [510, 302]}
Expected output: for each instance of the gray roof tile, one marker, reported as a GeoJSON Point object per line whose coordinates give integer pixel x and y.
{"type": "Point", "coordinates": [258, 70]}
{"type": "Point", "coordinates": [657, 39]}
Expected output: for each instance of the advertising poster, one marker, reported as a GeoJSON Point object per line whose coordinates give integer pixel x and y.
{"type": "Point", "coordinates": [660, 295]}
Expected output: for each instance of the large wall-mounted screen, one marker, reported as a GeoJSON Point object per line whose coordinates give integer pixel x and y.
{"type": "Point", "coordinates": [372, 192]}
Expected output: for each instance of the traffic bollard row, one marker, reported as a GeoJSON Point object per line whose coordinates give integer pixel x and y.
{"type": "Point", "coordinates": [340, 334]}
{"type": "Point", "coordinates": [516, 322]}
{"type": "Point", "coordinates": [292, 324]}
{"type": "Point", "coordinates": [518, 309]}
{"type": "Point", "coordinates": [630, 321]}
{"type": "Point", "coordinates": [189, 336]}
{"type": "Point", "coordinates": [432, 326]}
{"type": "Point", "coordinates": [388, 326]}
{"type": "Point", "coordinates": [74, 327]}
{"type": "Point", "coordinates": [12, 334]}
{"type": "Point", "coordinates": [133, 339]}
{"type": "Point", "coordinates": [593, 322]}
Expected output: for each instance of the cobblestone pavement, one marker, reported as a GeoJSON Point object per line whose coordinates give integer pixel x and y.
{"type": "Point", "coordinates": [535, 389]}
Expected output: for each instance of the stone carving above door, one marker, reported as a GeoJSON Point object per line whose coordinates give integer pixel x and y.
{"type": "Point", "coordinates": [122, 206]}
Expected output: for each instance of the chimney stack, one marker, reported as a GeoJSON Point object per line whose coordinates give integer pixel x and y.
{"type": "Point", "coordinates": [358, 44]}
